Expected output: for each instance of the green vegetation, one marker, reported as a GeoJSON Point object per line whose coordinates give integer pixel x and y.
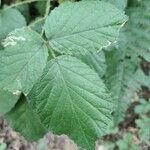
{"type": "Point", "coordinates": [75, 69]}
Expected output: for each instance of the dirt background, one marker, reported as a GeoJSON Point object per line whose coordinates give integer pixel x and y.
{"type": "Point", "coordinates": [14, 141]}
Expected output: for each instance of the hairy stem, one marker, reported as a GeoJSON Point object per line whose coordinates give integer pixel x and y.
{"type": "Point", "coordinates": [36, 21]}
{"type": "Point", "coordinates": [51, 50]}
{"type": "Point", "coordinates": [46, 13]}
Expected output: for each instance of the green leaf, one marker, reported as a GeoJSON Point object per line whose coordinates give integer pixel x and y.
{"type": "Point", "coordinates": [22, 61]}
{"type": "Point", "coordinates": [140, 79]}
{"type": "Point", "coordinates": [124, 76]}
{"type": "Point", "coordinates": [143, 107]}
{"type": "Point", "coordinates": [24, 10]}
{"type": "Point", "coordinates": [10, 19]}
{"type": "Point", "coordinates": [24, 120]}
{"type": "Point", "coordinates": [144, 128]}
{"type": "Point", "coordinates": [120, 72]}
{"type": "Point", "coordinates": [139, 29]}
{"type": "Point", "coordinates": [121, 4]}
{"type": "Point", "coordinates": [71, 99]}
{"type": "Point", "coordinates": [37, 24]}
{"type": "Point", "coordinates": [40, 6]}
{"type": "Point", "coordinates": [7, 101]}
{"type": "Point", "coordinates": [70, 32]}
{"type": "Point", "coordinates": [96, 61]}
{"type": "Point", "coordinates": [127, 143]}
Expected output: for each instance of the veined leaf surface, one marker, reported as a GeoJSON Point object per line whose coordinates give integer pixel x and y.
{"type": "Point", "coordinates": [10, 19]}
{"type": "Point", "coordinates": [71, 99]}
{"type": "Point", "coordinates": [22, 60]}
{"type": "Point", "coordinates": [77, 28]}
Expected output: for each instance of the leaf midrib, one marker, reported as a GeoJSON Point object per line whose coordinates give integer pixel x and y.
{"type": "Point", "coordinates": [66, 87]}
{"type": "Point", "coordinates": [73, 110]}
{"type": "Point", "coordinates": [88, 30]}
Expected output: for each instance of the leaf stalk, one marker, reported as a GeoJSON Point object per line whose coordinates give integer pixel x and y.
{"type": "Point", "coordinates": [46, 14]}
{"type": "Point", "coordinates": [50, 50]}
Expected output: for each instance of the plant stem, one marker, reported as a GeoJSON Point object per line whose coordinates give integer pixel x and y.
{"type": "Point", "coordinates": [36, 21]}
{"type": "Point", "coordinates": [50, 50]}
{"type": "Point", "coordinates": [46, 13]}
{"type": "Point", "coordinates": [23, 2]}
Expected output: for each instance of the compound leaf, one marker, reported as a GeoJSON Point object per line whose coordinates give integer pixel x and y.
{"type": "Point", "coordinates": [25, 121]}
{"type": "Point", "coordinates": [10, 19]}
{"type": "Point", "coordinates": [22, 60]}
{"type": "Point", "coordinates": [77, 28]}
{"type": "Point", "coordinates": [71, 99]}
{"type": "Point", "coordinates": [7, 101]}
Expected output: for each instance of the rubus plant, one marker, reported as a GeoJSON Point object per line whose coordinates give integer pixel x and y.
{"type": "Point", "coordinates": [53, 72]}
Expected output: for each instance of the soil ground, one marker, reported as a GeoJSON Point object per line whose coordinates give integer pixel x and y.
{"type": "Point", "coordinates": [14, 141]}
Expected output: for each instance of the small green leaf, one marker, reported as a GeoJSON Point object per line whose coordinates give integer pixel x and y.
{"type": "Point", "coordinates": [139, 29]}
{"type": "Point", "coordinates": [109, 146]}
{"type": "Point", "coordinates": [143, 107]}
{"type": "Point", "coordinates": [10, 19]}
{"type": "Point", "coordinates": [24, 120]}
{"type": "Point", "coordinates": [71, 99]}
{"type": "Point", "coordinates": [144, 128]}
{"type": "Point", "coordinates": [124, 77]}
{"type": "Point", "coordinates": [22, 61]}
{"type": "Point", "coordinates": [77, 28]}
{"type": "Point", "coordinates": [7, 101]}
{"type": "Point", "coordinates": [140, 79]}
{"type": "Point", "coordinates": [127, 143]}
{"type": "Point", "coordinates": [119, 74]}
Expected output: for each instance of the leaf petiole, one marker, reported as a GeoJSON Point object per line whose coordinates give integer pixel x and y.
{"type": "Point", "coordinates": [50, 50]}
{"type": "Point", "coordinates": [46, 14]}
{"type": "Point", "coordinates": [36, 21]}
